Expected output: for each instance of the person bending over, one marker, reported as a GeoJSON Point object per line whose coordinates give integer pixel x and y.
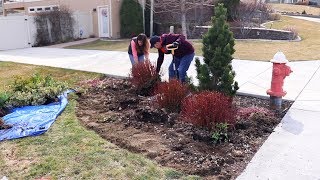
{"type": "Point", "coordinates": [183, 55]}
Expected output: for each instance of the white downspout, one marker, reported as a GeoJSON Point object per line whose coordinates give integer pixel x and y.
{"type": "Point", "coordinates": [28, 31]}
{"type": "Point", "coordinates": [110, 22]}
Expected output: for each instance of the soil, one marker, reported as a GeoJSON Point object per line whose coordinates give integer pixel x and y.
{"type": "Point", "coordinates": [4, 126]}
{"type": "Point", "coordinates": [116, 113]}
{"type": "Point", "coordinates": [3, 112]}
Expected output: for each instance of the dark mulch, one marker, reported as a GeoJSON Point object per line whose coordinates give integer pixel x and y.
{"type": "Point", "coordinates": [3, 125]}
{"type": "Point", "coordinates": [132, 122]}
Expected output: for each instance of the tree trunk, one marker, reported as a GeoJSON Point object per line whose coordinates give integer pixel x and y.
{"type": "Point", "coordinates": [183, 17]}
{"type": "Point", "coordinates": [151, 17]}
{"type": "Point", "coordinates": [143, 16]}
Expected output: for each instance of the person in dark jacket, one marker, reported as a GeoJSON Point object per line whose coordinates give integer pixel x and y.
{"type": "Point", "coordinates": [183, 55]}
{"type": "Point", "coordinates": [138, 49]}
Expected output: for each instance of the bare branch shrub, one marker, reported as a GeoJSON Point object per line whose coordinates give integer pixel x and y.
{"type": "Point", "coordinates": [274, 16]}
{"type": "Point", "coordinates": [54, 26]}
{"type": "Point", "coordinates": [183, 13]}
{"type": "Point", "coordinates": [293, 30]}
{"type": "Point", "coordinates": [249, 15]}
{"type": "Point", "coordinates": [243, 16]}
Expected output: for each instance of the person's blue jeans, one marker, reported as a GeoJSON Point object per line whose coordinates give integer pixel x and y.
{"type": "Point", "coordinates": [140, 58]}
{"type": "Point", "coordinates": [182, 64]}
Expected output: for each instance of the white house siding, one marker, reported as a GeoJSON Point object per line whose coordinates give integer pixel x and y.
{"type": "Point", "coordinates": [83, 26]}
{"type": "Point", "coordinates": [16, 32]}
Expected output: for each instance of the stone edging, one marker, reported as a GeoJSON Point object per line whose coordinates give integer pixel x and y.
{"type": "Point", "coordinates": [301, 15]}
{"type": "Point", "coordinates": [270, 40]}
{"type": "Point", "coordinates": [260, 34]}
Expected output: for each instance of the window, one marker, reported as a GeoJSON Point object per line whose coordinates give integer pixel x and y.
{"type": "Point", "coordinates": [43, 8]}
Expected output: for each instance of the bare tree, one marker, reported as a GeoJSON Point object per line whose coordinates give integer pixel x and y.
{"type": "Point", "coordinates": [265, 10]}
{"type": "Point", "coordinates": [179, 8]}
{"type": "Point", "coordinates": [249, 15]}
{"type": "Point", "coordinates": [243, 16]}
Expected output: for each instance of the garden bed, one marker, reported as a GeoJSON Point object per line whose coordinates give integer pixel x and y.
{"type": "Point", "coordinates": [116, 113]}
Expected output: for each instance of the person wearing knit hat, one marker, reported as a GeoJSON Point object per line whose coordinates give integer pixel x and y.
{"type": "Point", "coordinates": [183, 53]}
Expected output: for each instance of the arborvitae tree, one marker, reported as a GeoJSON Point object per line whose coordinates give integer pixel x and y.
{"type": "Point", "coordinates": [131, 19]}
{"type": "Point", "coordinates": [217, 74]}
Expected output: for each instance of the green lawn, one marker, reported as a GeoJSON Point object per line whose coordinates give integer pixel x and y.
{"type": "Point", "coordinates": [307, 49]}
{"type": "Point", "coordinates": [68, 150]}
{"type": "Point", "coordinates": [251, 50]}
{"type": "Point", "coordinates": [296, 8]}
{"type": "Point", "coordinates": [121, 45]}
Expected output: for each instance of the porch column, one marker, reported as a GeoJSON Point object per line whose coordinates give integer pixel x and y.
{"type": "Point", "coordinates": [4, 12]}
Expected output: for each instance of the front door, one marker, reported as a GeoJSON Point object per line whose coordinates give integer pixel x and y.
{"type": "Point", "coordinates": [104, 29]}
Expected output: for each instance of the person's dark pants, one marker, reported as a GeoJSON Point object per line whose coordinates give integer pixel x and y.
{"type": "Point", "coordinates": [182, 64]}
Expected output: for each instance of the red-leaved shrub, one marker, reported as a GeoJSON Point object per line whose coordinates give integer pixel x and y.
{"type": "Point", "coordinates": [144, 77]}
{"type": "Point", "coordinates": [207, 109]}
{"type": "Point", "coordinates": [170, 95]}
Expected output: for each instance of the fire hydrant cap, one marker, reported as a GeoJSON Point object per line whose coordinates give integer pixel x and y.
{"type": "Point", "coordinates": [279, 57]}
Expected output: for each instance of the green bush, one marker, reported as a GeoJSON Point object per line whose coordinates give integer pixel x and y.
{"type": "Point", "coordinates": [4, 96]}
{"type": "Point", "coordinates": [220, 134]}
{"type": "Point", "coordinates": [131, 19]}
{"type": "Point", "coordinates": [36, 90]}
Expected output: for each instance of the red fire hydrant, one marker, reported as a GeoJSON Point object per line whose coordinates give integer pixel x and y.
{"type": "Point", "coordinates": [279, 72]}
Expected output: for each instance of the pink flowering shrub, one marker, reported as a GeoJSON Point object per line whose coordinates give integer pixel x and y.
{"type": "Point", "coordinates": [251, 112]}
{"type": "Point", "coordinates": [92, 83]}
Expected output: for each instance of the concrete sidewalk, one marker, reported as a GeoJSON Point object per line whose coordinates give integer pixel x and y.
{"type": "Point", "coordinates": [289, 153]}
{"type": "Point", "coordinates": [313, 19]}
{"type": "Point", "coordinates": [292, 150]}
{"type": "Point", "coordinates": [63, 45]}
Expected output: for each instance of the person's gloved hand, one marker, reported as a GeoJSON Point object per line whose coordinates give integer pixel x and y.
{"type": "Point", "coordinates": [175, 44]}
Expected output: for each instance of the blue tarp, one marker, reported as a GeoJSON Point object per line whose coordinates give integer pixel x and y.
{"type": "Point", "coordinates": [32, 120]}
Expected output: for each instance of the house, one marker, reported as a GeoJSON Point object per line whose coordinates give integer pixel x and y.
{"type": "Point", "coordinates": [1, 11]}
{"type": "Point", "coordinates": [314, 2]}
{"type": "Point", "coordinates": [103, 15]}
